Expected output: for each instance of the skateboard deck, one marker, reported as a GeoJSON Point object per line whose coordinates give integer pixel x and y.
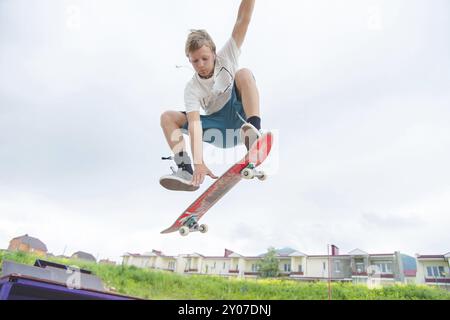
{"type": "Point", "coordinates": [244, 169]}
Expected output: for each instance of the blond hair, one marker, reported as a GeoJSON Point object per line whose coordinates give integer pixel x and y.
{"type": "Point", "coordinates": [198, 39]}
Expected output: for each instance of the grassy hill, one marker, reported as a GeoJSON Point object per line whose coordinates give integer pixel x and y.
{"type": "Point", "coordinates": [159, 285]}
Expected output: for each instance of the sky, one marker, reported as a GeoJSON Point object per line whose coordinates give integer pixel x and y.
{"type": "Point", "coordinates": [356, 91]}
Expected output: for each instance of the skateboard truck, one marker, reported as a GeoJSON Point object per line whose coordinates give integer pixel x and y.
{"type": "Point", "coordinates": [250, 173]}
{"type": "Point", "coordinates": [191, 225]}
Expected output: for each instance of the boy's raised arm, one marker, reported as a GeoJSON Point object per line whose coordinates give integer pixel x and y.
{"type": "Point", "coordinates": [243, 21]}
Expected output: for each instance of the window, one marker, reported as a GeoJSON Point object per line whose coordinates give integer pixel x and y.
{"type": "Point", "coordinates": [436, 272]}
{"type": "Point", "coordinates": [360, 267]}
{"type": "Point", "coordinates": [324, 266]}
{"type": "Point", "coordinates": [300, 268]}
{"type": "Point", "coordinates": [224, 265]}
{"type": "Point", "coordinates": [385, 267]}
{"type": "Point", "coordinates": [287, 267]}
{"type": "Point", "coordinates": [337, 266]}
{"type": "Point", "coordinates": [255, 267]}
{"type": "Point", "coordinates": [442, 272]}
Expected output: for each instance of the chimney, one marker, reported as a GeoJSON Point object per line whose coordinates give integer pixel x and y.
{"type": "Point", "coordinates": [228, 253]}
{"type": "Point", "coordinates": [334, 250]}
{"type": "Point", "coordinates": [158, 253]}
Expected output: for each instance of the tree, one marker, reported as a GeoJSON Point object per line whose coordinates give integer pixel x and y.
{"type": "Point", "coordinates": [268, 266]}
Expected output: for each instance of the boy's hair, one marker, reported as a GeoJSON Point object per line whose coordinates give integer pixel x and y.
{"type": "Point", "coordinates": [198, 39]}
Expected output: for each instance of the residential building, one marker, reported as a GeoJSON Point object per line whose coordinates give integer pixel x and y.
{"type": "Point", "coordinates": [434, 270]}
{"type": "Point", "coordinates": [153, 260]}
{"type": "Point", "coordinates": [357, 266]}
{"type": "Point", "coordinates": [107, 262]}
{"type": "Point", "coordinates": [28, 244]}
{"type": "Point", "coordinates": [80, 255]}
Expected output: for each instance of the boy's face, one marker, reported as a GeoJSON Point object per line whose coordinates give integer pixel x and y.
{"type": "Point", "coordinates": [203, 61]}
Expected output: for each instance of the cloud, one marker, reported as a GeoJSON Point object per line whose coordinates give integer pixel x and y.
{"type": "Point", "coordinates": [392, 221]}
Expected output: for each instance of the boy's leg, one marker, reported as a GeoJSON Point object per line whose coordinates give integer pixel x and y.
{"type": "Point", "coordinates": [246, 85]}
{"type": "Point", "coordinates": [172, 123]}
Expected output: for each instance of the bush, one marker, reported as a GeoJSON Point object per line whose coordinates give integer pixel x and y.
{"type": "Point", "coordinates": [269, 265]}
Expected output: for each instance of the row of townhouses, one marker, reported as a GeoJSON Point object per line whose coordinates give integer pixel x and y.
{"type": "Point", "coordinates": [357, 266]}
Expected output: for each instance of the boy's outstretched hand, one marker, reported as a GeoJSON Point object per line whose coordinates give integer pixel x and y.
{"type": "Point", "coordinates": [200, 172]}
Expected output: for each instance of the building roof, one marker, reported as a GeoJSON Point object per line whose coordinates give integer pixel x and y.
{"type": "Point", "coordinates": [83, 256]}
{"type": "Point", "coordinates": [329, 256]}
{"type": "Point", "coordinates": [32, 242]}
{"type": "Point", "coordinates": [431, 257]}
{"type": "Point", "coordinates": [159, 254]}
{"type": "Point", "coordinates": [137, 255]}
{"type": "Point", "coordinates": [297, 254]}
{"type": "Point", "coordinates": [128, 254]}
{"type": "Point", "coordinates": [284, 252]}
{"type": "Point", "coordinates": [146, 255]}
{"type": "Point", "coordinates": [353, 253]}
{"type": "Point", "coordinates": [358, 252]}
{"type": "Point", "coordinates": [192, 255]}
{"type": "Point", "coordinates": [151, 254]}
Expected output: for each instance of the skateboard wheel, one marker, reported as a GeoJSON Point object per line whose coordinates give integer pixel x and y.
{"type": "Point", "coordinates": [248, 174]}
{"type": "Point", "coordinates": [263, 177]}
{"type": "Point", "coordinates": [203, 228]}
{"type": "Point", "coordinates": [184, 231]}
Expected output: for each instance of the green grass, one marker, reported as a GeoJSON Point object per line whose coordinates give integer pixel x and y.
{"type": "Point", "coordinates": [160, 285]}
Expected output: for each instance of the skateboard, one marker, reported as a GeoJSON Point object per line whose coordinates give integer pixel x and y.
{"type": "Point", "coordinates": [244, 169]}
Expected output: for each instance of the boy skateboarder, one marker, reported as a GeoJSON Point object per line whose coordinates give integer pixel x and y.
{"type": "Point", "coordinates": [228, 96]}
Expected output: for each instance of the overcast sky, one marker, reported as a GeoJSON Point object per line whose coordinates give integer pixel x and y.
{"type": "Point", "coordinates": [356, 90]}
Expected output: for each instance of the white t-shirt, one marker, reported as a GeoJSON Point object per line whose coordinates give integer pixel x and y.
{"type": "Point", "coordinates": [212, 94]}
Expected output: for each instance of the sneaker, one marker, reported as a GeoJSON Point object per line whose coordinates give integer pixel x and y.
{"type": "Point", "coordinates": [180, 180]}
{"type": "Point", "coordinates": [249, 135]}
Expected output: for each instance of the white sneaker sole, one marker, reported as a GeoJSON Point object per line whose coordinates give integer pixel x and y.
{"type": "Point", "coordinates": [173, 183]}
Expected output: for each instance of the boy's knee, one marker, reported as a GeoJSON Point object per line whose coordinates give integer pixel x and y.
{"type": "Point", "coordinates": [173, 117]}
{"type": "Point", "coordinates": [244, 76]}
{"type": "Point", "coordinates": [166, 118]}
